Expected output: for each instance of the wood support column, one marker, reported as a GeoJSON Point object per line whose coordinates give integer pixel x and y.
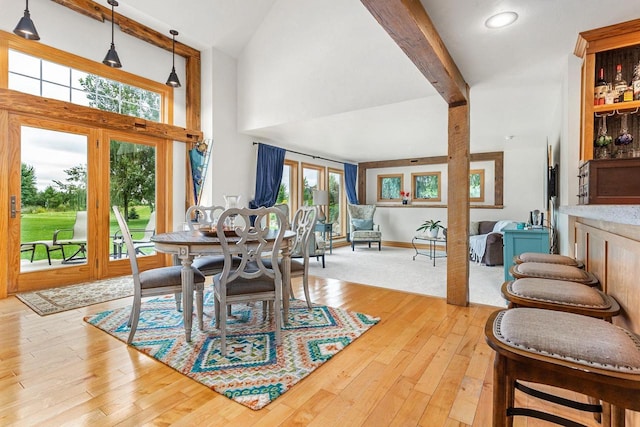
{"type": "Point", "coordinates": [458, 207]}
{"type": "Point", "coordinates": [408, 23]}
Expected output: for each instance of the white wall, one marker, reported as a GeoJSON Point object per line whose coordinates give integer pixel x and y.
{"type": "Point", "coordinates": [524, 186]}
{"type": "Point", "coordinates": [298, 66]}
{"type": "Point", "coordinates": [569, 149]}
{"type": "Point", "coordinates": [233, 161]}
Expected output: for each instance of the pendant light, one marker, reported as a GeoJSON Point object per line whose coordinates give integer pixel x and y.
{"type": "Point", "coordinates": [112, 59]}
{"type": "Point", "coordinates": [173, 80]}
{"type": "Point", "coordinates": [25, 27]}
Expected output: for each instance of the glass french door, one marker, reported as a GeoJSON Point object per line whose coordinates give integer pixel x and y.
{"type": "Point", "coordinates": [133, 186]}
{"type": "Point", "coordinates": [50, 203]}
{"type": "Point", "coordinates": [64, 179]}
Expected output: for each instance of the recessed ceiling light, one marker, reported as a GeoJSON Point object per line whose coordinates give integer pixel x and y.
{"type": "Point", "coordinates": [501, 19]}
{"type": "Point", "coordinates": [509, 137]}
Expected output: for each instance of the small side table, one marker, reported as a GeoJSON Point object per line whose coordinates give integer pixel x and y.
{"type": "Point", "coordinates": [433, 252]}
{"type": "Point", "coordinates": [324, 228]}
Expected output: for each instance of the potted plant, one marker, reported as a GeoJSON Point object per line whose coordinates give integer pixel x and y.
{"type": "Point", "coordinates": [431, 227]}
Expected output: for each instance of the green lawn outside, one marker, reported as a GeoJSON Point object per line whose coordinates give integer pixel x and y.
{"type": "Point", "coordinates": [42, 226]}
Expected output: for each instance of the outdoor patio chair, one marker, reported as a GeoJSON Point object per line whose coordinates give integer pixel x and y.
{"type": "Point", "coordinates": [156, 281]}
{"type": "Point", "coordinates": [78, 238]}
{"type": "Point", "coordinates": [143, 242]}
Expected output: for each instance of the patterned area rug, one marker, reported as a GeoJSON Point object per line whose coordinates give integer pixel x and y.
{"type": "Point", "coordinates": [255, 371]}
{"type": "Point", "coordinates": [55, 300]}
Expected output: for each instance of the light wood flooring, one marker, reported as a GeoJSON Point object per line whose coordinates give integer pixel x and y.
{"type": "Point", "coordinates": [426, 363]}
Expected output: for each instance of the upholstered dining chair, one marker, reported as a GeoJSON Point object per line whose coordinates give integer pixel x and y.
{"type": "Point", "coordinates": [303, 224]}
{"type": "Point", "coordinates": [198, 216]}
{"type": "Point", "coordinates": [361, 225]}
{"type": "Point", "coordinates": [251, 280]}
{"type": "Point", "coordinates": [156, 281]}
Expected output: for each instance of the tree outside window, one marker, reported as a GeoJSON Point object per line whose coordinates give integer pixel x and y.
{"type": "Point", "coordinates": [426, 186]}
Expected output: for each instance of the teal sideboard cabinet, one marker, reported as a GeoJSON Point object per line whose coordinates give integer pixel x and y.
{"type": "Point", "coordinates": [518, 241]}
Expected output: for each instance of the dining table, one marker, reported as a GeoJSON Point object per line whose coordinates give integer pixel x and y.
{"type": "Point", "coordinates": [186, 245]}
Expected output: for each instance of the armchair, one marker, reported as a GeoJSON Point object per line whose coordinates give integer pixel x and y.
{"type": "Point", "coordinates": [361, 225]}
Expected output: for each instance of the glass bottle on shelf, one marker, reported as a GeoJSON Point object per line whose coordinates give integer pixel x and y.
{"type": "Point", "coordinates": [635, 82]}
{"type": "Point", "coordinates": [610, 95]}
{"type": "Point", "coordinates": [619, 85]}
{"type": "Point", "coordinates": [601, 89]}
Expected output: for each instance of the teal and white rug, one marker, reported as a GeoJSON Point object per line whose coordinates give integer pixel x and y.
{"type": "Point", "coordinates": [255, 371]}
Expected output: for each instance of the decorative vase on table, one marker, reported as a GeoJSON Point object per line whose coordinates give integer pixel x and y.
{"type": "Point", "coordinates": [231, 202]}
{"type": "Point", "coordinates": [405, 197]}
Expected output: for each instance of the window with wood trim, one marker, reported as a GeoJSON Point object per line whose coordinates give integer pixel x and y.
{"type": "Point", "coordinates": [42, 70]}
{"type": "Point", "coordinates": [476, 185]}
{"type": "Point", "coordinates": [389, 187]}
{"type": "Point", "coordinates": [337, 198]}
{"type": "Point", "coordinates": [425, 186]}
{"type": "Point", "coordinates": [312, 179]}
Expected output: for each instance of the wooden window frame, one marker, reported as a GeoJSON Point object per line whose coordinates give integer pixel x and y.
{"type": "Point", "coordinates": [321, 178]}
{"type": "Point", "coordinates": [481, 197]}
{"type": "Point", "coordinates": [383, 177]}
{"type": "Point", "coordinates": [79, 63]}
{"type": "Point", "coordinates": [343, 201]}
{"type": "Point", "coordinates": [414, 192]}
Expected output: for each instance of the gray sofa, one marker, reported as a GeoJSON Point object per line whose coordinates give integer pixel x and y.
{"type": "Point", "coordinates": [493, 252]}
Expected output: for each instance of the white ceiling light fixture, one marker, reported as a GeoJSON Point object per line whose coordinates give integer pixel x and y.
{"type": "Point", "coordinates": [500, 20]}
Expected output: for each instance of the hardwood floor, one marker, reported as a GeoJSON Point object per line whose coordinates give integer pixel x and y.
{"type": "Point", "coordinates": [426, 363]}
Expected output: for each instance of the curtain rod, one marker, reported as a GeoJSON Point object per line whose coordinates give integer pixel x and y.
{"type": "Point", "coordinates": [305, 154]}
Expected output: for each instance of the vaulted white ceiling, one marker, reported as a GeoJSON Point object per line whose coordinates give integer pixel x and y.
{"type": "Point", "coordinates": [373, 104]}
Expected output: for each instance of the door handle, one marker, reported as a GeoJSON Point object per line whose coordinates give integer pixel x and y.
{"type": "Point", "coordinates": [13, 207]}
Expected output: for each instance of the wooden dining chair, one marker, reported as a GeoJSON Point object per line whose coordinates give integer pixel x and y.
{"type": "Point", "coordinates": [198, 216]}
{"type": "Point", "coordinates": [156, 281]}
{"type": "Point", "coordinates": [303, 224]}
{"type": "Point", "coordinates": [250, 280]}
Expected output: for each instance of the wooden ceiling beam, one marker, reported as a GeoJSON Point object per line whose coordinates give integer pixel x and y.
{"type": "Point", "coordinates": [38, 106]}
{"type": "Point", "coordinates": [128, 26]}
{"type": "Point", "coordinates": [408, 24]}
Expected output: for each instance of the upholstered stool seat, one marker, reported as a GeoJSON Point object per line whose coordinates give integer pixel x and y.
{"type": "Point", "coordinates": [560, 295]}
{"type": "Point", "coordinates": [547, 259]}
{"type": "Point", "coordinates": [553, 271]}
{"type": "Point", "coordinates": [564, 350]}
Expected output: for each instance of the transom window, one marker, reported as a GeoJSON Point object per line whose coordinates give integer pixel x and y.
{"type": "Point", "coordinates": [41, 77]}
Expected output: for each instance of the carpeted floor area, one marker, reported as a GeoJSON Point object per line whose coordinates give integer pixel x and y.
{"type": "Point", "coordinates": [395, 268]}
{"type": "Point", "coordinates": [256, 370]}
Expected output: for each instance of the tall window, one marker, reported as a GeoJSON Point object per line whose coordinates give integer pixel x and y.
{"type": "Point", "coordinates": [312, 177]}
{"type": "Point", "coordinates": [336, 198]}
{"type": "Point", "coordinates": [40, 77]}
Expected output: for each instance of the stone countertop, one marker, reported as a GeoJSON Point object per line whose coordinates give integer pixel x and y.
{"type": "Point", "coordinates": [621, 214]}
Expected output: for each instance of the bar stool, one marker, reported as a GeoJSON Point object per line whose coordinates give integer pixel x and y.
{"type": "Point", "coordinates": [560, 295]}
{"type": "Point", "coordinates": [553, 271]}
{"type": "Point", "coordinates": [547, 259]}
{"type": "Point", "coordinates": [565, 350]}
